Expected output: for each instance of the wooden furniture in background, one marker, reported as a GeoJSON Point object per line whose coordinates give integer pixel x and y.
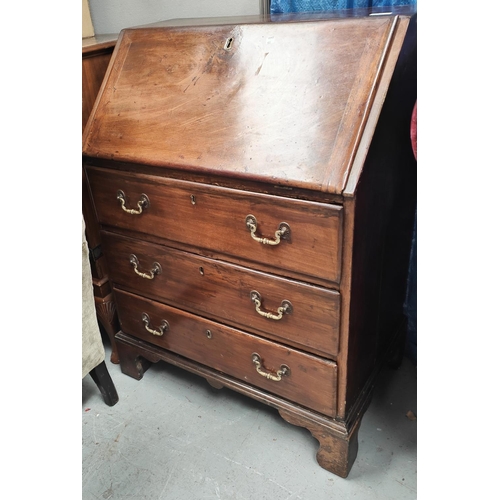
{"type": "Point", "coordinates": [96, 54]}
{"type": "Point", "coordinates": [255, 187]}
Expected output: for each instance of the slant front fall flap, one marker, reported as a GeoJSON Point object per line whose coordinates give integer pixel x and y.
{"type": "Point", "coordinates": [273, 102]}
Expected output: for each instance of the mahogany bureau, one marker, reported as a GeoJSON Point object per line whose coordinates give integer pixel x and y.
{"type": "Point", "coordinates": [255, 187]}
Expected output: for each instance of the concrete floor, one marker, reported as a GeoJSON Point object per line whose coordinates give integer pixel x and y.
{"type": "Point", "coordinates": [172, 436]}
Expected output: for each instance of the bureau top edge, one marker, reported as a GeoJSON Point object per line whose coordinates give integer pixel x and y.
{"type": "Point", "coordinates": [396, 10]}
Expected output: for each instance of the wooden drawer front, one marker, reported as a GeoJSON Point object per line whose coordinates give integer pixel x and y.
{"type": "Point", "coordinates": [214, 219]}
{"type": "Point", "coordinates": [312, 381]}
{"type": "Point", "coordinates": [222, 292]}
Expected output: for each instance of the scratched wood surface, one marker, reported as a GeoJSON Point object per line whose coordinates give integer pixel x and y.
{"type": "Point", "coordinates": [274, 102]}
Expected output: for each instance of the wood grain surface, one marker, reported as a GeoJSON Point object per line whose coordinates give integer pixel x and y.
{"type": "Point", "coordinates": [311, 381]}
{"type": "Point", "coordinates": [213, 219]}
{"type": "Point", "coordinates": [221, 291]}
{"type": "Point", "coordinates": [278, 102]}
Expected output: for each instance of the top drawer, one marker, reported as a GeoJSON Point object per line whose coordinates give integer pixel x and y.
{"type": "Point", "coordinates": [216, 220]}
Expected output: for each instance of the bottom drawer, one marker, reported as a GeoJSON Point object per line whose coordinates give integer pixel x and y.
{"type": "Point", "coordinates": [302, 378]}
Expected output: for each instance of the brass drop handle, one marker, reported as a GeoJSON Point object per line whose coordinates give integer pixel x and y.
{"type": "Point", "coordinates": [285, 308]}
{"type": "Point", "coordinates": [164, 326]}
{"type": "Point", "coordinates": [142, 203]}
{"type": "Point", "coordinates": [284, 370]}
{"type": "Point", "coordinates": [283, 232]}
{"type": "Point", "coordinates": [156, 269]}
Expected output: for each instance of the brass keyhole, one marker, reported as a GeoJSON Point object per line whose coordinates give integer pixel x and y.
{"type": "Point", "coordinates": [229, 42]}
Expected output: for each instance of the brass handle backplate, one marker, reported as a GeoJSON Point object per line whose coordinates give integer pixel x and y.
{"type": "Point", "coordinates": [285, 308]}
{"type": "Point", "coordinates": [164, 326]}
{"type": "Point", "coordinates": [284, 370]}
{"type": "Point", "coordinates": [156, 269]}
{"type": "Point", "coordinates": [283, 232]}
{"type": "Point", "coordinates": [142, 203]}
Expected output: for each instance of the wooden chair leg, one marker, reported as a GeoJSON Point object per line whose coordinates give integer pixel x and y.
{"type": "Point", "coordinates": [102, 378]}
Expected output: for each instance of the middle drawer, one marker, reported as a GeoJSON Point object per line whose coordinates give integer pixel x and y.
{"type": "Point", "coordinates": [281, 309]}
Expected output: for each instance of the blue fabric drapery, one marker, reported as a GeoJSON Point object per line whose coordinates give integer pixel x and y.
{"type": "Point", "coordinates": [286, 6]}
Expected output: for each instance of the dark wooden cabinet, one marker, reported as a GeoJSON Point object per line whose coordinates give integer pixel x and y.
{"type": "Point", "coordinates": [96, 54]}
{"type": "Point", "coordinates": [255, 187]}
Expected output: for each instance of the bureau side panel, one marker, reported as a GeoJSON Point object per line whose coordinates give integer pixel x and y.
{"type": "Point", "coordinates": [385, 204]}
